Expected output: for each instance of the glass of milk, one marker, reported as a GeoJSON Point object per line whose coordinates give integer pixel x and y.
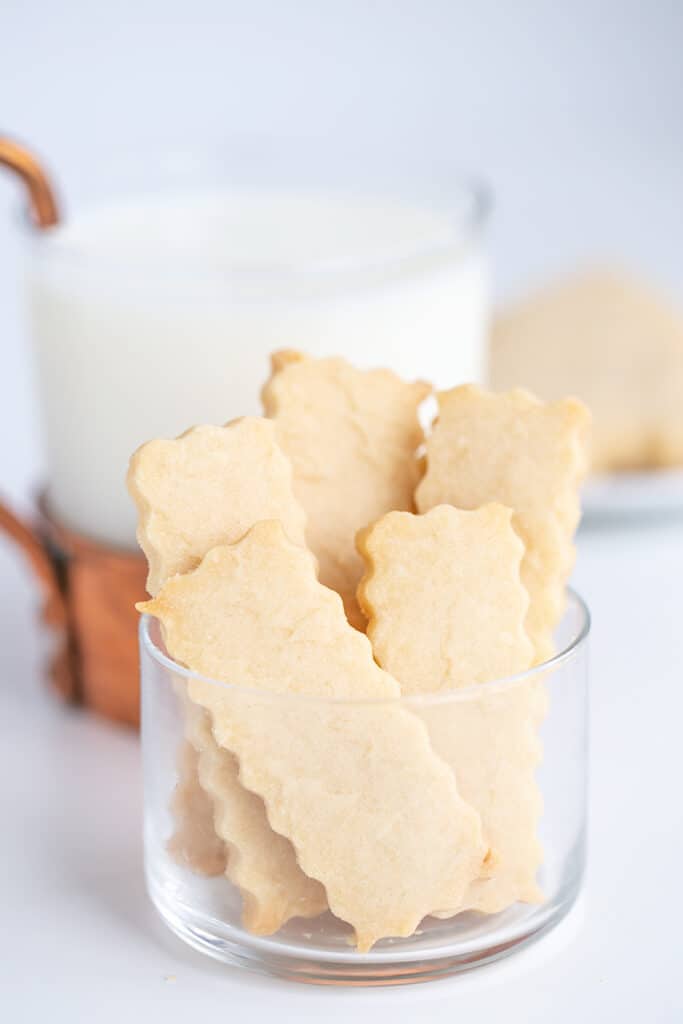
{"type": "Point", "coordinates": [155, 305]}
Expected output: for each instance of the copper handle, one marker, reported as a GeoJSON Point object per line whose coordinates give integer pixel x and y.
{"type": "Point", "coordinates": [44, 212]}
{"type": "Point", "coordinates": [55, 612]}
{"type": "Point", "coordinates": [42, 201]}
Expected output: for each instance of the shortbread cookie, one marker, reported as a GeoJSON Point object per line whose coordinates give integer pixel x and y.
{"type": "Point", "coordinates": [219, 822]}
{"type": "Point", "coordinates": [528, 455]}
{"type": "Point", "coordinates": [194, 842]}
{"type": "Point", "coordinates": [492, 742]}
{"type": "Point", "coordinates": [263, 865]}
{"type": "Point", "coordinates": [351, 779]}
{"type": "Point", "coordinates": [443, 597]}
{"type": "Point", "coordinates": [614, 343]}
{"type": "Point", "coordinates": [352, 436]}
{"type": "Point", "coordinates": [208, 487]}
{"type": "Point", "coordinates": [446, 610]}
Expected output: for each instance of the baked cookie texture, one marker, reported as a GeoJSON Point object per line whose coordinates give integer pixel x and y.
{"type": "Point", "coordinates": [615, 343]}
{"type": "Point", "coordinates": [352, 437]}
{"type": "Point", "coordinates": [385, 812]}
{"type": "Point", "coordinates": [208, 486]}
{"type": "Point", "coordinates": [443, 597]}
{"type": "Point", "coordinates": [528, 455]}
{"type": "Point", "coordinates": [262, 864]}
{"type": "Point", "coordinates": [446, 610]}
{"type": "Point", "coordinates": [372, 812]}
{"type": "Point", "coordinates": [195, 842]}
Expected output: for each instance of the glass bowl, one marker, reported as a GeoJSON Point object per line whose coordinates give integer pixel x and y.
{"type": "Point", "coordinates": [547, 706]}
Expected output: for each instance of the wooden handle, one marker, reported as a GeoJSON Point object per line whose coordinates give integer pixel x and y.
{"type": "Point", "coordinates": [41, 195]}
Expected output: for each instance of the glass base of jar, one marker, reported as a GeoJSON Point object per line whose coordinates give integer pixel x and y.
{"type": "Point", "coordinates": [320, 951]}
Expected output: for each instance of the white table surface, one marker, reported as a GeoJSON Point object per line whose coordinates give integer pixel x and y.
{"type": "Point", "coordinates": [80, 942]}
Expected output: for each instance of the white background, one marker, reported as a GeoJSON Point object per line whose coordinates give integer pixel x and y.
{"type": "Point", "coordinates": [575, 114]}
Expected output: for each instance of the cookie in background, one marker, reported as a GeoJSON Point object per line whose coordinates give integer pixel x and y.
{"type": "Point", "coordinates": [617, 343]}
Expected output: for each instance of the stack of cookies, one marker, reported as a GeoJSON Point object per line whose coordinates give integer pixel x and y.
{"type": "Point", "coordinates": [319, 555]}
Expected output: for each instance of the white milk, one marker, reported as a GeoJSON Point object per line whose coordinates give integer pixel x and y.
{"type": "Point", "coordinates": [149, 318]}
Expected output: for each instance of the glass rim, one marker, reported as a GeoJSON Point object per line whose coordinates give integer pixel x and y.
{"type": "Point", "coordinates": [465, 693]}
{"type": "Point", "coordinates": [465, 199]}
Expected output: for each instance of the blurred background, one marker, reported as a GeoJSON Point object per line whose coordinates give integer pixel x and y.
{"type": "Point", "coordinates": [571, 111]}
{"type": "Point", "coordinates": [574, 115]}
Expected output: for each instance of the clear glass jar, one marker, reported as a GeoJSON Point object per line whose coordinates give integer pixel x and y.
{"type": "Point", "coordinates": [185, 860]}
